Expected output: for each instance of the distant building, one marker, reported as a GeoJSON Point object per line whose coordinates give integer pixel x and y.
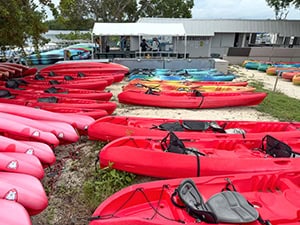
{"type": "Point", "coordinates": [220, 36]}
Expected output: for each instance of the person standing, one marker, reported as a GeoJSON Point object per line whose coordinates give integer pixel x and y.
{"type": "Point", "coordinates": [144, 45]}
{"type": "Point", "coordinates": [155, 45]}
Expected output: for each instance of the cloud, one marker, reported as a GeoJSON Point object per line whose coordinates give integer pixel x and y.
{"type": "Point", "coordinates": [236, 9]}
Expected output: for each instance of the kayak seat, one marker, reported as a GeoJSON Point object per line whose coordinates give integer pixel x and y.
{"type": "Point", "coordinates": [80, 74]}
{"type": "Point", "coordinates": [48, 99]}
{"type": "Point", "coordinates": [195, 125]}
{"type": "Point", "coordinates": [197, 93]}
{"type": "Point", "coordinates": [39, 77]}
{"type": "Point", "coordinates": [151, 92]}
{"type": "Point", "coordinates": [171, 126]}
{"type": "Point", "coordinates": [223, 207]}
{"type": "Point", "coordinates": [11, 84]}
{"type": "Point", "coordinates": [53, 82]}
{"type": "Point", "coordinates": [51, 90]}
{"type": "Point", "coordinates": [276, 148]}
{"type": "Point", "coordinates": [5, 94]}
{"type": "Point", "coordinates": [67, 77]}
{"type": "Point", "coordinates": [21, 81]}
{"type": "Point", "coordinates": [52, 74]}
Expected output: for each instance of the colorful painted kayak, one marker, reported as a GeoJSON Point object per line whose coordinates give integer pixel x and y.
{"type": "Point", "coordinates": [208, 77]}
{"type": "Point", "coordinates": [24, 189]}
{"type": "Point", "coordinates": [144, 156]}
{"type": "Point", "coordinates": [21, 163]}
{"type": "Point", "coordinates": [254, 198]}
{"type": "Point", "coordinates": [80, 122]}
{"type": "Point", "coordinates": [63, 131]}
{"type": "Point", "coordinates": [112, 127]}
{"type": "Point", "coordinates": [193, 100]}
{"type": "Point", "coordinates": [186, 88]}
{"type": "Point", "coordinates": [42, 151]}
{"type": "Point", "coordinates": [188, 83]}
{"type": "Point", "coordinates": [21, 131]}
{"type": "Point", "coordinates": [13, 213]}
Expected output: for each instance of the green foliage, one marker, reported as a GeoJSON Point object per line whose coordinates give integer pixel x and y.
{"type": "Point", "coordinates": [104, 183]}
{"type": "Point", "coordinates": [166, 8]}
{"type": "Point", "coordinates": [76, 35]}
{"type": "Point", "coordinates": [20, 20]}
{"type": "Point", "coordinates": [281, 7]}
{"type": "Point", "coordinates": [278, 105]}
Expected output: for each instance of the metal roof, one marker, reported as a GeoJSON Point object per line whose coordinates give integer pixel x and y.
{"type": "Point", "coordinates": [139, 29]}
{"type": "Point", "coordinates": [206, 27]}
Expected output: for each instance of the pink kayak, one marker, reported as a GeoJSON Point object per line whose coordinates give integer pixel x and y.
{"type": "Point", "coordinates": [13, 213]}
{"type": "Point", "coordinates": [21, 163]}
{"type": "Point", "coordinates": [63, 131]}
{"type": "Point", "coordinates": [80, 122]}
{"type": "Point", "coordinates": [24, 189]}
{"type": "Point", "coordinates": [20, 131]}
{"type": "Point", "coordinates": [42, 151]}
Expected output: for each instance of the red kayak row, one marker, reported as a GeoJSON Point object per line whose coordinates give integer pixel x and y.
{"type": "Point", "coordinates": [10, 70]}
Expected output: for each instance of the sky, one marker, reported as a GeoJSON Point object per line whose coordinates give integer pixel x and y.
{"type": "Point", "coordinates": [237, 9]}
{"type": "Point", "coordinates": [233, 9]}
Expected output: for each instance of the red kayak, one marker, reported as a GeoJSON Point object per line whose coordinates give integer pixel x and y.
{"type": "Point", "coordinates": [26, 70]}
{"type": "Point", "coordinates": [21, 163]}
{"type": "Point", "coordinates": [9, 208]}
{"type": "Point", "coordinates": [100, 67]}
{"type": "Point", "coordinates": [42, 151]}
{"type": "Point", "coordinates": [89, 84]}
{"type": "Point", "coordinates": [24, 189]}
{"type": "Point", "coordinates": [67, 111]}
{"type": "Point", "coordinates": [191, 101]}
{"type": "Point", "coordinates": [187, 158]}
{"type": "Point", "coordinates": [63, 131]}
{"type": "Point", "coordinates": [254, 198]}
{"type": "Point", "coordinates": [20, 131]}
{"type": "Point", "coordinates": [67, 79]}
{"type": "Point", "coordinates": [61, 92]}
{"type": "Point", "coordinates": [112, 127]}
{"type": "Point", "coordinates": [80, 122]}
{"type": "Point", "coordinates": [42, 102]}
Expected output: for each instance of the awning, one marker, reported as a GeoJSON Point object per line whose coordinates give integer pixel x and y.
{"type": "Point", "coordinates": [138, 29]}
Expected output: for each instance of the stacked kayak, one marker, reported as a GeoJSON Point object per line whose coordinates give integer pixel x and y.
{"type": "Point", "coordinates": [187, 88]}
{"type": "Point", "coordinates": [254, 198]}
{"type": "Point", "coordinates": [191, 100]}
{"type": "Point", "coordinates": [12, 70]}
{"type": "Point", "coordinates": [60, 102]}
{"type": "Point", "coordinates": [187, 83]}
{"type": "Point", "coordinates": [183, 75]}
{"type": "Point", "coordinates": [28, 137]}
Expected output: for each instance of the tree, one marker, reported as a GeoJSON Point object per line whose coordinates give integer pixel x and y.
{"type": "Point", "coordinates": [166, 8]}
{"type": "Point", "coordinates": [281, 7]}
{"type": "Point", "coordinates": [20, 21]}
